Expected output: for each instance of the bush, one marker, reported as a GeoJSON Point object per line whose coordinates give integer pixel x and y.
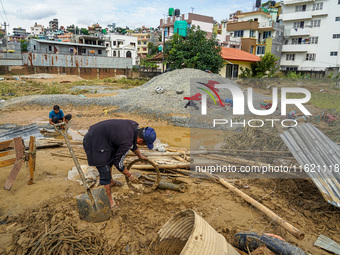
{"type": "Point", "coordinates": [294, 75]}
{"type": "Point", "coordinates": [245, 73]}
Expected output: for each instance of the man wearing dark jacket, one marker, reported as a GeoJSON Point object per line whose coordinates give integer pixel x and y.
{"type": "Point", "coordinates": [108, 142]}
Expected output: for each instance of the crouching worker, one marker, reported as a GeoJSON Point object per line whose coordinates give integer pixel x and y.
{"type": "Point", "coordinates": [56, 116]}
{"type": "Point", "coordinates": [108, 142]}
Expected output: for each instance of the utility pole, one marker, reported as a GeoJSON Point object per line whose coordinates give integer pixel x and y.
{"type": "Point", "coordinates": [6, 37]}
{"type": "Point", "coordinates": [192, 9]}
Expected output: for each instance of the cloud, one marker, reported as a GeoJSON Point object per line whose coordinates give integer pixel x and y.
{"type": "Point", "coordinates": [37, 12]}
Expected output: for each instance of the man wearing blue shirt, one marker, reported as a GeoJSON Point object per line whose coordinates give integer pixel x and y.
{"type": "Point", "coordinates": [56, 116]}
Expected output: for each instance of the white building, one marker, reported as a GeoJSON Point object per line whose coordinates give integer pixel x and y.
{"type": "Point", "coordinates": [312, 35]}
{"type": "Point", "coordinates": [37, 30]}
{"type": "Point", "coordinates": [122, 46]}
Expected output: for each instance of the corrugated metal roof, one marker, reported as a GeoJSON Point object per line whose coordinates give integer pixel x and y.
{"type": "Point", "coordinates": [311, 147]}
{"type": "Point", "coordinates": [70, 44]}
{"type": "Point", "coordinates": [24, 132]}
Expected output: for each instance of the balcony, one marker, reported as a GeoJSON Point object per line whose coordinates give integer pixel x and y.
{"type": "Point", "coordinates": [319, 13]}
{"type": "Point", "coordinates": [286, 2]}
{"type": "Point", "coordinates": [295, 48]}
{"type": "Point", "coordinates": [243, 25]}
{"type": "Point", "coordinates": [297, 31]}
{"type": "Point", "coordinates": [296, 16]}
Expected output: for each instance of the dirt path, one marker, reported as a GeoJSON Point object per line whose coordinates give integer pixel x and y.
{"type": "Point", "coordinates": [38, 208]}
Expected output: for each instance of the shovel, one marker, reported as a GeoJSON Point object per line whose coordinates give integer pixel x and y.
{"type": "Point", "coordinates": [94, 205]}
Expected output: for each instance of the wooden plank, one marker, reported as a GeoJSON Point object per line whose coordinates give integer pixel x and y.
{"type": "Point", "coordinates": [6, 144]}
{"type": "Point", "coordinates": [20, 153]}
{"type": "Point", "coordinates": [7, 162]}
{"type": "Point", "coordinates": [7, 153]}
{"type": "Point", "coordinates": [31, 159]}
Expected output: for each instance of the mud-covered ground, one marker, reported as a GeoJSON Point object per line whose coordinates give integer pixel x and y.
{"type": "Point", "coordinates": [43, 215]}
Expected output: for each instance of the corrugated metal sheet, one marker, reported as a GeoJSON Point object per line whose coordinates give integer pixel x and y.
{"type": "Point", "coordinates": [320, 155]}
{"type": "Point", "coordinates": [40, 59]}
{"type": "Point", "coordinates": [200, 237]}
{"type": "Point", "coordinates": [24, 132]}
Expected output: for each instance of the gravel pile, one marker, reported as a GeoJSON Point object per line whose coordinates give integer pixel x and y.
{"type": "Point", "coordinates": [168, 105]}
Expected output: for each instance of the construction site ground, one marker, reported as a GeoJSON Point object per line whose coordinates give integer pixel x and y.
{"type": "Point", "coordinates": [27, 212]}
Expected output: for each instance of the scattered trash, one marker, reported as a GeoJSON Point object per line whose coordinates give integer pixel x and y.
{"type": "Point", "coordinates": [159, 90]}
{"type": "Point", "coordinates": [158, 146]}
{"type": "Point", "coordinates": [229, 102]}
{"type": "Point", "coordinates": [327, 244]}
{"type": "Point", "coordinates": [16, 78]}
{"type": "Point", "coordinates": [178, 91]}
{"type": "Point", "coordinates": [291, 115]}
{"type": "Point", "coordinates": [2, 78]}
{"type": "Point", "coordinates": [252, 241]}
{"type": "Point", "coordinates": [90, 173]}
{"type": "Point", "coordinates": [81, 95]}
{"type": "Point", "coordinates": [196, 97]}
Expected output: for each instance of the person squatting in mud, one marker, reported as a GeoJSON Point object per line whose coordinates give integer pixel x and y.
{"type": "Point", "coordinates": [108, 142]}
{"type": "Point", "coordinates": [57, 115]}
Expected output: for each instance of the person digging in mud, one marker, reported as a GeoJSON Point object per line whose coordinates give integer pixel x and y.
{"type": "Point", "coordinates": [57, 115]}
{"type": "Point", "coordinates": [108, 142]}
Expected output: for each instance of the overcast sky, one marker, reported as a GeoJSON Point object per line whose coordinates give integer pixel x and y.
{"type": "Point", "coordinates": [82, 13]}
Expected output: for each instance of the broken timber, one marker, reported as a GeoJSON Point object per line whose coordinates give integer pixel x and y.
{"type": "Point", "coordinates": [17, 148]}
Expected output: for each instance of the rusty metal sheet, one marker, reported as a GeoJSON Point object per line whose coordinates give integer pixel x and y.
{"type": "Point", "coordinates": [319, 156]}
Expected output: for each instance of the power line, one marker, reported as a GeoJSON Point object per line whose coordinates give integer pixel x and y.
{"type": "Point", "coordinates": [4, 11]}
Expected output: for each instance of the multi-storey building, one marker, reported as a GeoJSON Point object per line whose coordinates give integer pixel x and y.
{"type": "Point", "coordinates": [122, 46]}
{"type": "Point", "coordinates": [37, 30]}
{"type": "Point", "coordinates": [167, 25]}
{"type": "Point", "coordinates": [259, 32]}
{"type": "Point", "coordinates": [142, 43]}
{"type": "Point", "coordinates": [312, 35]}
{"type": "Point", "coordinates": [54, 25]}
{"type": "Point", "coordinates": [224, 38]}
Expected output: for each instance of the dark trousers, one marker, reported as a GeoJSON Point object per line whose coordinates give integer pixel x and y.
{"type": "Point", "coordinates": [55, 120]}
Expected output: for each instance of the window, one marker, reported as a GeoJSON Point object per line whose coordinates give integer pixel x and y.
{"type": "Point", "coordinates": [297, 40]}
{"type": "Point", "coordinates": [128, 54]}
{"type": "Point", "coordinates": [34, 47]}
{"type": "Point", "coordinates": [133, 44]}
{"type": "Point", "coordinates": [119, 54]}
{"type": "Point", "coordinates": [251, 33]}
{"type": "Point", "coordinates": [317, 6]}
{"type": "Point", "coordinates": [334, 53]}
{"type": "Point", "coordinates": [315, 23]}
{"type": "Point", "coordinates": [238, 33]}
{"type": "Point", "coordinates": [99, 52]}
{"type": "Point", "coordinates": [299, 24]}
{"type": "Point", "coordinates": [50, 48]}
{"type": "Point", "coordinates": [290, 57]}
{"type": "Point", "coordinates": [166, 31]}
{"type": "Point", "coordinates": [252, 49]}
{"type": "Point", "coordinates": [114, 43]}
{"type": "Point", "coordinates": [310, 56]}
{"type": "Point", "coordinates": [336, 36]}
{"type": "Point", "coordinates": [300, 8]}
{"type": "Point", "coordinates": [314, 40]}
{"type": "Point", "coordinates": [266, 34]}
{"type": "Point", "coordinates": [83, 50]}
{"type": "Point", "coordinates": [260, 49]}
{"type": "Point", "coordinates": [114, 53]}
{"type": "Point", "coordinates": [337, 18]}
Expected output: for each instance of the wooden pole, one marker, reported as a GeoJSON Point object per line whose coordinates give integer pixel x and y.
{"type": "Point", "coordinates": [287, 226]}
{"type": "Point", "coordinates": [31, 159]}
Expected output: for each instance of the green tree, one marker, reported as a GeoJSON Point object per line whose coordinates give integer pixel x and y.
{"type": "Point", "coordinates": [84, 31]}
{"type": "Point", "coordinates": [153, 48]}
{"type": "Point", "coordinates": [266, 66]}
{"type": "Point", "coordinates": [23, 45]}
{"type": "Point", "coordinates": [194, 51]}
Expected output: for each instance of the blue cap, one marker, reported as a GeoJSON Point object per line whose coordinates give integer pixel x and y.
{"type": "Point", "coordinates": [149, 137]}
